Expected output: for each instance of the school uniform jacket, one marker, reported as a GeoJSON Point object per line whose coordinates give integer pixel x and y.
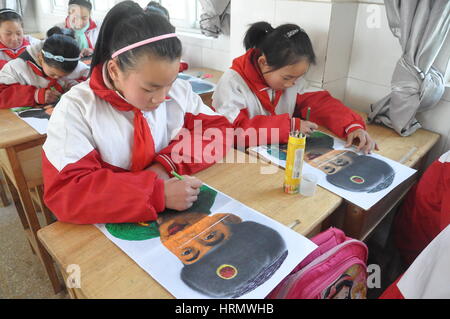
{"type": "Point", "coordinates": [429, 275]}
{"type": "Point", "coordinates": [91, 33]}
{"type": "Point", "coordinates": [87, 156]}
{"type": "Point", "coordinates": [426, 210]}
{"type": "Point", "coordinates": [243, 96]}
{"type": "Point", "coordinates": [23, 82]}
{"type": "Point", "coordinates": [8, 54]}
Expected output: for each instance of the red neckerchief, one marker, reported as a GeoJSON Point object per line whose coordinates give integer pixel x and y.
{"type": "Point", "coordinates": [248, 69]}
{"type": "Point", "coordinates": [12, 53]}
{"type": "Point", "coordinates": [143, 147]}
{"type": "Point", "coordinates": [92, 26]}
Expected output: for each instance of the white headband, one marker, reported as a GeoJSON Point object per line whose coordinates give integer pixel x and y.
{"type": "Point", "coordinates": [10, 11]}
{"type": "Point", "coordinates": [144, 42]}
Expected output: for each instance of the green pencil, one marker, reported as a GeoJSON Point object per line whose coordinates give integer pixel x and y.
{"type": "Point", "coordinates": [177, 175]}
{"type": "Point", "coordinates": [308, 114]}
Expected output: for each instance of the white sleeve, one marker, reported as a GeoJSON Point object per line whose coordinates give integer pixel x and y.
{"type": "Point", "coordinates": [229, 98]}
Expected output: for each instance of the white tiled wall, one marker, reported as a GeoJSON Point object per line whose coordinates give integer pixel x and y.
{"type": "Point", "coordinates": [200, 51]}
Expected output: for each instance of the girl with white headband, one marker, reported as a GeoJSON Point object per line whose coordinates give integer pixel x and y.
{"type": "Point", "coordinates": [114, 140]}
{"type": "Point", "coordinates": [42, 73]}
{"type": "Point", "coordinates": [12, 40]}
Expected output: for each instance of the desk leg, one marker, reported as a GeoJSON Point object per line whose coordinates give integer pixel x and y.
{"type": "Point", "coordinates": [3, 197]}
{"type": "Point", "coordinates": [32, 220]}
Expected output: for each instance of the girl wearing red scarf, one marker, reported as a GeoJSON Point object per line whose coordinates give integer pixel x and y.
{"type": "Point", "coordinates": [12, 40]}
{"type": "Point", "coordinates": [42, 73]}
{"type": "Point", "coordinates": [114, 140]}
{"type": "Point", "coordinates": [265, 89]}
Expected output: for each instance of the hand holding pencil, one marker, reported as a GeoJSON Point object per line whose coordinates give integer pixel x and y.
{"type": "Point", "coordinates": [181, 192]}
{"type": "Point", "coordinates": [307, 127]}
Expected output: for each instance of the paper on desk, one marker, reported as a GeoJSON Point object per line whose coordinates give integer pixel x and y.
{"type": "Point", "coordinates": [38, 124]}
{"type": "Point", "coordinates": [220, 248]}
{"type": "Point", "coordinates": [361, 179]}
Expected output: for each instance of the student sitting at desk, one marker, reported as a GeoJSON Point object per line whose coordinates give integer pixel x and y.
{"type": "Point", "coordinates": [42, 73]}
{"type": "Point", "coordinates": [426, 210]}
{"type": "Point", "coordinates": [110, 144]}
{"type": "Point", "coordinates": [12, 41]}
{"type": "Point", "coordinates": [80, 21]}
{"type": "Point", "coordinates": [265, 89]}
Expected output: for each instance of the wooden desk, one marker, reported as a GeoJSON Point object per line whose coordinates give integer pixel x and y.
{"type": "Point", "coordinates": [21, 162]}
{"type": "Point", "coordinates": [107, 272]}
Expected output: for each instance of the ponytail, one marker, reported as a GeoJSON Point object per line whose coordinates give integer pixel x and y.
{"type": "Point", "coordinates": [256, 34]}
{"type": "Point", "coordinates": [282, 46]}
{"type": "Point", "coordinates": [126, 24]}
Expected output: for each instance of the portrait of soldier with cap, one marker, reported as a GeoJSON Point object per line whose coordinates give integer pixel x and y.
{"type": "Point", "coordinates": [345, 169]}
{"type": "Point", "coordinates": [222, 256]}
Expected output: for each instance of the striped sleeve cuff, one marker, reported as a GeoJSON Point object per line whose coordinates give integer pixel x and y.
{"type": "Point", "coordinates": [353, 128]}
{"type": "Point", "coordinates": [39, 96]}
{"type": "Point", "coordinates": [167, 162]}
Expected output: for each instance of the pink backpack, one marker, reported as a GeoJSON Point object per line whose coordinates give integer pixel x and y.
{"type": "Point", "coordinates": [335, 270]}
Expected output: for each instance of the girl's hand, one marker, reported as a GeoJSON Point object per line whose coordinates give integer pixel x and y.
{"type": "Point", "coordinates": [181, 195]}
{"type": "Point", "coordinates": [51, 96]}
{"type": "Point", "coordinates": [307, 127]}
{"type": "Point", "coordinates": [366, 143]}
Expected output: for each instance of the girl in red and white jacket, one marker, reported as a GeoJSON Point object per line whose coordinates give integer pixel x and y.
{"type": "Point", "coordinates": [114, 140]}
{"type": "Point", "coordinates": [42, 73]}
{"type": "Point", "coordinates": [426, 210]}
{"type": "Point", "coordinates": [265, 89]}
{"type": "Point", "coordinates": [12, 40]}
{"type": "Point", "coordinates": [79, 19]}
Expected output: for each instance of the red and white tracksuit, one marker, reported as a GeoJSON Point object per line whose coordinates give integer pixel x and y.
{"type": "Point", "coordinates": [23, 82]}
{"type": "Point", "coordinates": [243, 96]}
{"type": "Point", "coordinates": [89, 157]}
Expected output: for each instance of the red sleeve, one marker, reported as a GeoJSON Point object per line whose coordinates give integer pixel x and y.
{"type": "Point", "coordinates": [202, 142]}
{"type": "Point", "coordinates": [2, 63]}
{"type": "Point", "coordinates": [17, 95]}
{"type": "Point", "coordinates": [445, 209]}
{"type": "Point", "coordinates": [392, 292]}
{"type": "Point", "coordinates": [268, 129]}
{"type": "Point", "coordinates": [328, 112]}
{"type": "Point", "coordinates": [88, 192]}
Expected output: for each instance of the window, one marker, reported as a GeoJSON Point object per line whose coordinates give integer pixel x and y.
{"type": "Point", "coordinates": [99, 7]}
{"type": "Point", "coordinates": [184, 14]}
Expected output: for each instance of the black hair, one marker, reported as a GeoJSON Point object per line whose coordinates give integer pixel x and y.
{"type": "Point", "coordinates": [285, 45]}
{"type": "Point", "coordinates": [84, 3]}
{"type": "Point", "coordinates": [59, 44]}
{"type": "Point", "coordinates": [127, 23]}
{"type": "Point", "coordinates": [63, 31]}
{"type": "Point", "coordinates": [10, 15]}
{"type": "Point", "coordinates": [156, 7]}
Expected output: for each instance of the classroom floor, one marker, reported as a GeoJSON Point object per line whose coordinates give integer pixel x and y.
{"type": "Point", "coordinates": [21, 274]}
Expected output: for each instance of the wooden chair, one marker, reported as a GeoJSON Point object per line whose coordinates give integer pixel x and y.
{"type": "Point", "coordinates": [21, 166]}
{"type": "Point", "coordinates": [4, 201]}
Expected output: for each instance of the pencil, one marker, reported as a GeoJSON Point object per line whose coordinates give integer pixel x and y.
{"type": "Point", "coordinates": [308, 114]}
{"type": "Point", "coordinates": [177, 175]}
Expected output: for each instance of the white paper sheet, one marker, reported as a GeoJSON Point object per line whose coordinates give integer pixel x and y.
{"type": "Point", "coordinates": [362, 199]}
{"type": "Point", "coordinates": [165, 267]}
